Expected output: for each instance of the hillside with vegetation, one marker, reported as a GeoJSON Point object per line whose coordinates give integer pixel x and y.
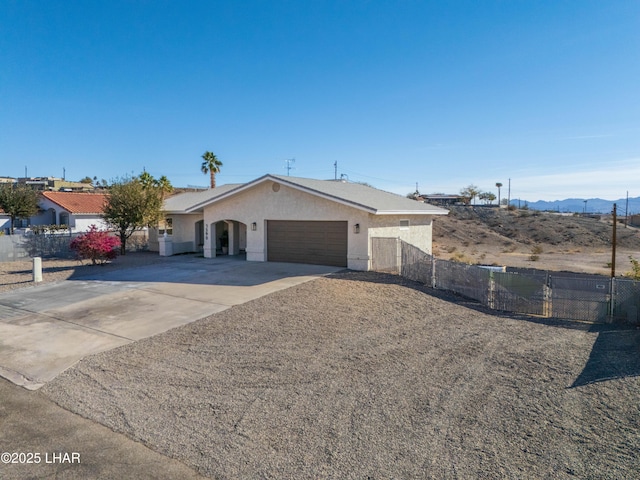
{"type": "Point", "coordinates": [534, 239]}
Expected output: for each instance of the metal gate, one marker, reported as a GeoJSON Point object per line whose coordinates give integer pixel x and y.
{"type": "Point", "coordinates": [384, 255]}
{"type": "Point", "coordinates": [519, 293]}
{"type": "Point", "coordinates": [580, 298]}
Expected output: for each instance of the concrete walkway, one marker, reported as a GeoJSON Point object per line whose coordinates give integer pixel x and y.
{"type": "Point", "coordinates": [48, 328]}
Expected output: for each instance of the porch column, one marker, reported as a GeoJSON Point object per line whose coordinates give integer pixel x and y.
{"type": "Point", "coordinates": [209, 247]}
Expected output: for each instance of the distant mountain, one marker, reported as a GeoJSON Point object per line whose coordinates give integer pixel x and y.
{"type": "Point", "coordinates": [577, 205]}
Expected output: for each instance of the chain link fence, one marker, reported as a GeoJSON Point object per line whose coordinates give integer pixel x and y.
{"type": "Point", "coordinates": [584, 297]}
{"type": "Point", "coordinates": [627, 301]}
{"type": "Point", "coordinates": [467, 280]}
{"type": "Point", "coordinates": [522, 293]}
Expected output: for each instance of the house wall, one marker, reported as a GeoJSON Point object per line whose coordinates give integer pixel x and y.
{"type": "Point", "coordinates": [262, 203]}
{"type": "Point", "coordinates": [50, 215]}
{"type": "Point", "coordinates": [5, 223]}
{"type": "Point", "coordinates": [82, 223]}
{"type": "Point", "coordinates": [184, 232]}
{"type": "Point", "coordinates": [418, 234]}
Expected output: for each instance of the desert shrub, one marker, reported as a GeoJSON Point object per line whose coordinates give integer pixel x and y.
{"type": "Point", "coordinates": [44, 229]}
{"type": "Point", "coordinates": [536, 250]}
{"type": "Point", "coordinates": [509, 248]}
{"type": "Point", "coordinates": [96, 245]}
{"type": "Point", "coordinates": [635, 269]}
{"type": "Point", "coordinates": [461, 257]}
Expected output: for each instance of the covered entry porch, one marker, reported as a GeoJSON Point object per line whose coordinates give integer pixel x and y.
{"type": "Point", "coordinates": [225, 237]}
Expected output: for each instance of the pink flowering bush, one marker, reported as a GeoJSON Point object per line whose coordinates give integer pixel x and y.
{"type": "Point", "coordinates": [96, 245]}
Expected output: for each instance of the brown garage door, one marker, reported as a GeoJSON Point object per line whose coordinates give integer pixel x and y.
{"type": "Point", "coordinates": [321, 243]}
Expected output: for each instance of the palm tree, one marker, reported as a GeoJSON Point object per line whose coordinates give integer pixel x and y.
{"type": "Point", "coordinates": [164, 185]}
{"type": "Point", "coordinates": [211, 165]}
{"type": "Point", "coordinates": [498, 185]}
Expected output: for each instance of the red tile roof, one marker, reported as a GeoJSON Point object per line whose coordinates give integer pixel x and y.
{"type": "Point", "coordinates": [77, 202]}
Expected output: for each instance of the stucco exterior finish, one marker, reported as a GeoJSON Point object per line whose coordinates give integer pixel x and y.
{"type": "Point", "coordinates": [183, 239]}
{"type": "Point", "coordinates": [243, 211]}
{"type": "Point", "coordinates": [184, 232]}
{"type": "Point", "coordinates": [418, 232]}
{"type": "Point", "coordinates": [53, 214]}
{"type": "Point", "coordinates": [262, 202]}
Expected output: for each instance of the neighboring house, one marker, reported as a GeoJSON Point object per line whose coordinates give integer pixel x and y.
{"type": "Point", "coordinates": [289, 219]}
{"type": "Point", "coordinates": [77, 210]}
{"type": "Point", "coordinates": [442, 199]}
{"type": "Point", "coordinates": [54, 184]}
{"type": "Point", "coordinates": [5, 222]}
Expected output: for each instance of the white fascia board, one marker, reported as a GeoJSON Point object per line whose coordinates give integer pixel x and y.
{"type": "Point", "coordinates": [409, 212]}
{"type": "Point", "coordinates": [174, 212]}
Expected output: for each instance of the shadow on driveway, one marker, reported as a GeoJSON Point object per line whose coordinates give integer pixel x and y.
{"type": "Point", "coordinates": [197, 270]}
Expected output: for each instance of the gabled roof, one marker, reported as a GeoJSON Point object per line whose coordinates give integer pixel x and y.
{"type": "Point", "coordinates": [362, 197]}
{"type": "Point", "coordinates": [77, 202]}
{"type": "Point", "coordinates": [184, 201]}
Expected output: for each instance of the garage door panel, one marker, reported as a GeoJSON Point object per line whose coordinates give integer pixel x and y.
{"type": "Point", "coordinates": [323, 243]}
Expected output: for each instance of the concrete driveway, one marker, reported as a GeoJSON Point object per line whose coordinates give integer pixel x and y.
{"type": "Point", "coordinates": [48, 328]}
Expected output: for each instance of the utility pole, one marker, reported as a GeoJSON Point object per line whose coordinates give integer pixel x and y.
{"type": "Point", "coordinates": [626, 211]}
{"type": "Point", "coordinates": [509, 194]}
{"type": "Point", "coordinates": [613, 242]}
{"type": "Point", "coordinates": [335, 170]}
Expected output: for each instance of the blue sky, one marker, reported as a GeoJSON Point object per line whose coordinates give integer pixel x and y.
{"type": "Point", "coordinates": [445, 94]}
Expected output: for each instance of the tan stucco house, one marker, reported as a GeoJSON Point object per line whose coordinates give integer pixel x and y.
{"type": "Point", "coordinates": [290, 219]}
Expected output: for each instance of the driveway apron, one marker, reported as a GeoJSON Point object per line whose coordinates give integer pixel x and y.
{"type": "Point", "coordinates": [48, 328]}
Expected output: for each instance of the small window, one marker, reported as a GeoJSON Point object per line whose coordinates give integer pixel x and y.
{"type": "Point", "coordinates": [404, 224]}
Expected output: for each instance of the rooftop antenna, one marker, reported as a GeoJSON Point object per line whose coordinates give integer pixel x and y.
{"type": "Point", "coordinates": [289, 162]}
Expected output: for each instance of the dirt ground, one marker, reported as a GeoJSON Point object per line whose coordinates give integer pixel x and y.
{"type": "Point", "coordinates": [531, 239]}
{"type": "Point", "coordinates": [362, 375]}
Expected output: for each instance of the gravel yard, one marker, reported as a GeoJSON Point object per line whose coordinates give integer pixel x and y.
{"type": "Point", "coordinates": [363, 375]}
